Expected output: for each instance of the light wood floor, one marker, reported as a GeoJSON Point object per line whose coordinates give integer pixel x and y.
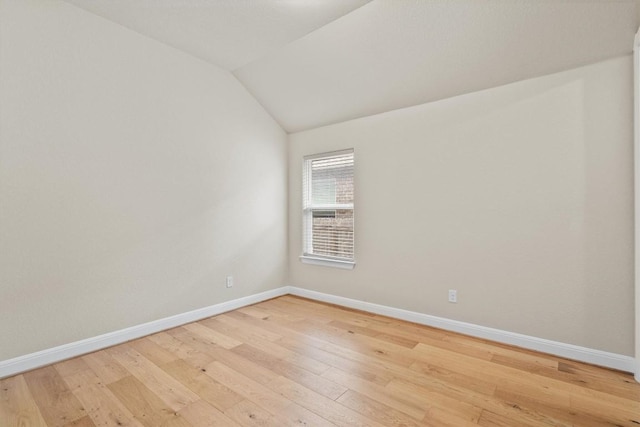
{"type": "Point", "coordinates": [291, 361]}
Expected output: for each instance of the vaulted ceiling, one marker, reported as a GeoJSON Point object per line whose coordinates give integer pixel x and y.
{"type": "Point", "coordinates": [316, 62]}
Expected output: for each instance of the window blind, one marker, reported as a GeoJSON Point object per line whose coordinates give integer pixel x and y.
{"type": "Point", "coordinates": [328, 207]}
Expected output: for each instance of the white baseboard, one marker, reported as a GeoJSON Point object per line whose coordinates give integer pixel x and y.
{"type": "Point", "coordinates": [569, 351]}
{"type": "Point", "coordinates": [57, 354]}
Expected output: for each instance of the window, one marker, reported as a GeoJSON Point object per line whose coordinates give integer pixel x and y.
{"type": "Point", "coordinates": [328, 237]}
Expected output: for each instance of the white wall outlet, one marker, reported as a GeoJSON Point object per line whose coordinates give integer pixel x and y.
{"type": "Point", "coordinates": [453, 295]}
{"type": "Point", "coordinates": [229, 281]}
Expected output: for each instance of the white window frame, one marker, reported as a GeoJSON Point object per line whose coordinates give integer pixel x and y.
{"type": "Point", "coordinates": [308, 207]}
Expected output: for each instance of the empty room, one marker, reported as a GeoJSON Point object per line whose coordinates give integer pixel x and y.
{"type": "Point", "coordinates": [319, 213]}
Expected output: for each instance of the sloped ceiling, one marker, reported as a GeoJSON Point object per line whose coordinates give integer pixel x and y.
{"type": "Point", "coordinates": [316, 62]}
{"type": "Point", "coordinates": [228, 33]}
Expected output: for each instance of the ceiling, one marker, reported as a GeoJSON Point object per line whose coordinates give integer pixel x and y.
{"type": "Point", "coordinates": [317, 62]}
{"type": "Point", "coordinates": [228, 33]}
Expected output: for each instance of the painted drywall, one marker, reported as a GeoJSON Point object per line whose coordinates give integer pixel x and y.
{"type": "Point", "coordinates": [133, 179]}
{"type": "Point", "coordinates": [519, 197]}
{"type": "Point", "coordinates": [636, 150]}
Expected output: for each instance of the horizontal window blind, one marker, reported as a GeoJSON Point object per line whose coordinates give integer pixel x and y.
{"type": "Point", "coordinates": [328, 205]}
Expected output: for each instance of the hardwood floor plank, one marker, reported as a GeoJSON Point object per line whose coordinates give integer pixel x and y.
{"type": "Point", "coordinates": [329, 409]}
{"type": "Point", "coordinates": [146, 407]}
{"type": "Point", "coordinates": [248, 414]}
{"type": "Point", "coordinates": [382, 350]}
{"type": "Point", "coordinates": [276, 313]}
{"type": "Point", "coordinates": [461, 380]}
{"type": "Point", "coordinates": [291, 361]}
{"type": "Point", "coordinates": [152, 351]}
{"type": "Point", "coordinates": [244, 385]}
{"type": "Point", "coordinates": [410, 331]}
{"type": "Point", "coordinates": [71, 366]}
{"type": "Point", "coordinates": [82, 422]}
{"type": "Point", "coordinates": [246, 333]}
{"type": "Point", "coordinates": [285, 411]}
{"type": "Point", "coordinates": [212, 336]}
{"type": "Point", "coordinates": [105, 367]}
{"type": "Point", "coordinates": [208, 389]}
{"type": "Point", "coordinates": [556, 408]}
{"type": "Point", "coordinates": [440, 396]}
{"type": "Point", "coordinates": [596, 378]}
{"type": "Point", "coordinates": [281, 307]}
{"type": "Point", "coordinates": [626, 413]}
{"type": "Point", "coordinates": [445, 395]}
{"type": "Point", "coordinates": [489, 419]}
{"type": "Point", "coordinates": [526, 359]}
{"type": "Point", "coordinates": [102, 406]}
{"type": "Point", "coordinates": [57, 403]}
{"type": "Point", "coordinates": [376, 410]}
{"type": "Point", "coordinates": [170, 390]}
{"type": "Point", "coordinates": [202, 414]}
{"type": "Point", "coordinates": [254, 311]}
{"type": "Point", "coordinates": [356, 329]}
{"type": "Point", "coordinates": [182, 350]}
{"type": "Point", "coordinates": [17, 406]}
{"type": "Point", "coordinates": [323, 352]}
{"type": "Point", "coordinates": [437, 417]}
{"type": "Point", "coordinates": [508, 375]}
{"type": "Point", "coordinates": [376, 392]}
{"type": "Point", "coordinates": [330, 311]}
{"type": "Point", "coordinates": [236, 324]}
{"type": "Point", "coordinates": [364, 354]}
{"type": "Point", "coordinates": [314, 382]}
{"type": "Point", "coordinates": [80, 379]}
{"type": "Point", "coordinates": [258, 373]}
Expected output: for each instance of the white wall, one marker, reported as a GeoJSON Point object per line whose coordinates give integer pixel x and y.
{"type": "Point", "coordinates": [133, 179]}
{"type": "Point", "coordinates": [520, 197]}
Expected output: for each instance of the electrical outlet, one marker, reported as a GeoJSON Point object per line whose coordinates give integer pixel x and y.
{"type": "Point", "coordinates": [453, 295]}
{"type": "Point", "coordinates": [229, 282]}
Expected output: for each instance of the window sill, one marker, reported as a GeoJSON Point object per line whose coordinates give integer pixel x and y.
{"type": "Point", "coordinates": [346, 265]}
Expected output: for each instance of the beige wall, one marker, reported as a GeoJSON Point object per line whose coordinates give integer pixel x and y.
{"type": "Point", "coordinates": [519, 197]}
{"type": "Point", "coordinates": [133, 179]}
